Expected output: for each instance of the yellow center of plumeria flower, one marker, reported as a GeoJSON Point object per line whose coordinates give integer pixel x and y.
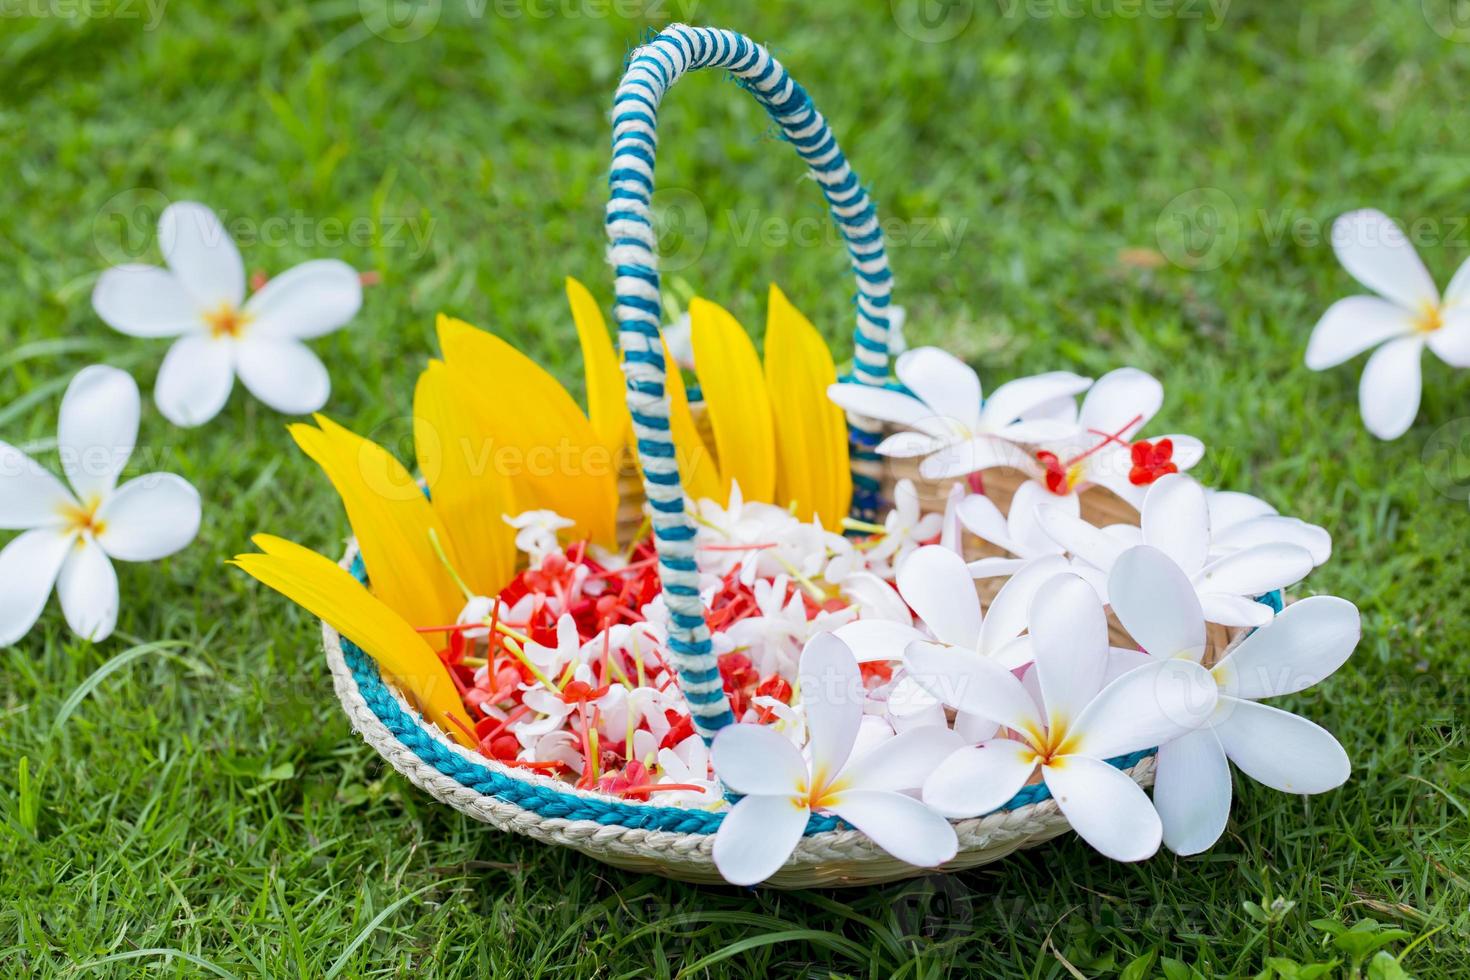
{"type": "Point", "coordinates": [1430, 320]}
{"type": "Point", "coordinates": [1050, 745]}
{"type": "Point", "coordinates": [226, 321]}
{"type": "Point", "coordinates": [83, 520]}
{"type": "Point", "coordinates": [820, 794]}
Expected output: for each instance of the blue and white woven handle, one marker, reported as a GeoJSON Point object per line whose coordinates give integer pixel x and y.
{"type": "Point", "coordinates": [652, 69]}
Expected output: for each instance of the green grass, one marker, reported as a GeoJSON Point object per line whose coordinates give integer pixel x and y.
{"type": "Point", "coordinates": [199, 806]}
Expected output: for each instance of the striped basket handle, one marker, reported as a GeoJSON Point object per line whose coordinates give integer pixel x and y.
{"type": "Point", "coordinates": [652, 69]}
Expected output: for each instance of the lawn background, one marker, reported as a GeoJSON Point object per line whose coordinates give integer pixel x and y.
{"type": "Point", "coordinates": [1069, 186]}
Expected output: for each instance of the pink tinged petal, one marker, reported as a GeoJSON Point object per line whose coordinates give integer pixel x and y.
{"type": "Point", "coordinates": [983, 519]}
{"type": "Point", "coordinates": [1235, 610]}
{"type": "Point", "coordinates": [887, 405]}
{"type": "Point", "coordinates": [996, 567]}
{"type": "Point", "coordinates": [1176, 520]}
{"type": "Point", "coordinates": [145, 301]}
{"type": "Point", "coordinates": [29, 495]}
{"type": "Point", "coordinates": [283, 373]}
{"type": "Point", "coordinates": [1010, 610]}
{"type": "Point", "coordinates": [201, 254]}
{"type": "Point", "coordinates": [1157, 604]}
{"type": "Point", "coordinates": [1353, 325]}
{"type": "Point", "coordinates": [832, 692]}
{"type": "Point", "coordinates": [1078, 537]}
{"type": "Point", "coordinates": [1388, 392]}
{"type": "Point", "coordinates": [1026, 531]}
{"type": "Point", "coordinates": [902, 762]}
{"type": "Point", "coordinates": [87, 588]}
{"type": "Point", "coordinates": [1303, 645]}
{"type": "Point", "coordinates": [971, 683]}
{"type": "Point", "coordinates": [1281, 750]}
{"type": "Point", "coordinates": [1374, 251]}
{"type": "Point", "coordinates": [308, 301]}
{"type": "Point", "coordinates": [757, 836]}
{"type": "Point", "coordinates": [149, 517]}
{"type": "Point", "coordinates": [757, 759]}
{"type": "Point", "coordinates": [29, 566]}
{"type": "Point", "coordinates": [1105, 807]}
{"type": "Point", "coordinates": [903, 445]}
{"type": "Point", "coordinates": [1069, 638]}
{"type": "Point", "coordinates": [979, 779]}
{"type": "Point", "coordinates": [901, 825]}
{"type": "Point", "coordinates": [97, 429]}
{"type": "Point", "coordinates": [1256, 570]}
{"type": "Point", "coordinates": [1451, 342]}
{"type": "Point", "coordinates": [1123, 398]}
{"type": "Point", "coordinates": [1273, 528]}
{"type": "Point", "coordinates": [973, 455]}
{"type": "Point", "coordinates": [1192, 791]}
{"type": "Point", "coordinates": [1146, 707]}
{"type": "Point", "coordinates": [942, 381]}
{"type": "Point", "coordinates": [195, 380]}
{"type": "Point", "coordinates": [873, 640]}
{"type": "Point", "coordinates": [936, 583]}
{"type": "Point", "coordinates": [1018, 398]}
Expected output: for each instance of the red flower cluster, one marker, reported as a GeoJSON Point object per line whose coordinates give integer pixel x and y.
{"type": "Point", "coordinates": [1151, 460]}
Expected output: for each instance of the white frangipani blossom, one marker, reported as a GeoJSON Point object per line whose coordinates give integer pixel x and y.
{"type": "Point", "coordinates": [536, 533]}
{"type": "Point", "coordinates": [1406, 316]}
{"type": "Point", "coordinates": [1157, 604]}
{"type": "Point", "coordinates": [905, 528]}
{"type": "Point", "coordinates": [200, 299]}
{"type": "Point", "coordinates": [1239, 520]}
{"type": "Point", "coordinates": [71, 535]}
{"type": "Point", "coordinates": [1019, 532]}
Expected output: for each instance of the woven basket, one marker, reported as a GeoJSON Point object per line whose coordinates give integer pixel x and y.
{"type": "Point", "coordinates": [673, 841]}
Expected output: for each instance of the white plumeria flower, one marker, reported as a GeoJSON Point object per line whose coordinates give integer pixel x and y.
{"type": "Point", "coordinates": [1020, 532]}
{"type": "Point", "coordinates": [1156, 603]}
{"type": "Point", "coordinates": [569, 648]}
{"type": "Point", "coordinates": [782, 787]}
{"type": "Point", "coordinates": [944, 415]}
{"type": "Point", "coordinates": [905, 528]}
{"type": "Point", "coordinates": [748, 536]}
{"type": "Point", "coordinates": [1407, 315]}
{"type": "Point", "coordinates": [1238, 520]}
{"type": "Point", "coordinates": [536, 533]}
{"type": "Point", "coordinates": [1077, 724]}
{"type": "Point", "coordinates": [688, 764]}
{"type": "Point", "coordinates": [1176, 520]}
{"type": "Point", "coordinates": [1099, 452]}
{"type": "Point", "coordinates": [774, 639]}
{"type": "Point", "coordinates": [69, 535]}
{"type": "Point", "coordinates": [200, 299]}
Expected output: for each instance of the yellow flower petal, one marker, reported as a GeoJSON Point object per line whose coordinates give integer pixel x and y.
{"type": "Point", "coordinates": [736, 399]}
{"type": "Point", "coordinates": [607, 403]}
{"type": "Point", "coordinates": [811, 435]}
{"type": "Point", "coordinates": [470, 493]}
{"type": "Point", "coordinates": [330, 593]}
{"type": "Point", "coordinates": [698, 470]}
{"type": "Point", "coordinates": [392, 520]}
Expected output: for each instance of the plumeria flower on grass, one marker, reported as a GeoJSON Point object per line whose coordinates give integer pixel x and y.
{"type": "Point", "coordinates": [946, 420]}
{"type": "Point", "coordinates": [782, 786]}
{"type": "Point", "coordinates": [1157, 604]}
{"type": "Point", "coordinates": [70, 536]}
{"type": "Point", "coordinates": [1176, 520]}
{"type": "Point", "coordinates": [200, 299]}
{"type": "Point", "coordinates": [1068, 733]}
{"type": "Point", "coordinates": [1406, 316]}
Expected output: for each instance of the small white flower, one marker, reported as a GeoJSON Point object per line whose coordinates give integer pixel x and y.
{"type": "Point", "coordinates": [905, 528]}
{"type": "Point", "coordinates": [536, 533]}
{"type": "Point", "coordinates": [1068, 733]}
{"type": "Point", "coordinates": [774, 639]}
{"type": "Point", "coordinates": [897, 341]}
{"type": "Point", "coordinates": [782, 787]}
{"type": "Point", "coordinates": [1020, 533]}
{"type": "Point", "coordinates": [569, 649]}
{"type": "Point", "coordinates": [1156, 603]}
{"type": "Point", "coordinates": [688, 764]}
{"type": "Point", "coordinates": [1409, 316]}
{"type": "Point", "coordinates": [1176, 520]}
{"type": "Point", "coordinates": [945, 418]}
{"type": "Point", "coordinates": [200, 299]}
{"type": "Point", "coordinates": [679, 338]}
{"type": "Point", "coordinates": [70, 534]}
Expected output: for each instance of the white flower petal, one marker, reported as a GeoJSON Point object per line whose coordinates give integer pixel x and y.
{"type": "Point", "coordinates": [886, 405]}
{"type": "Point", "coordinates": [1010, 610]}
{"type": "Point", "coordinates": [1017, 398]}
{"type": "Point", "coordinates": [902, 762]}
{"type": "Point", "coordinates": [149, 517]}
{"type": "Point", "coordinates": [1274, 528]}
{"type": "Point", "coordinates": [908, 443]}
{"type": "Point", "coordinates": [1105, 807]}
{"type": "Point", "coordinates": [1157, 604]}
{"type": "Point", "coordinates": [29, 495]}
{"type": "Point", "coordinates": [1034, 431]}
{"type": "Point", "coordinates": [936, 583]}
{"type": "Point", "coordinates": [1146, 707]}
{"type": "Point", "coordinates": [87, 588]}
{"type": "Point", "coordinates": [145, 301]}
{"type": "Point", "coordinates": [996, 567]}
{"type": "Point", "coordinates": [1280, 749]}
{"type": "Point", "coordinates": [1188, 450]}
{"type": "Point", "coordinates": [97, 429]}
{"type": "Point", "coordinates": [1069, 638]}
{"type": "Point", "coordinates": [1026, 531]}
{"type": "Point", "coordinates": [973, 455]}
{"type": "Point", "coordinates": [971, 683]}
{"type": "Point", "coordinates": [833, 695]}
{"type": "Point", "coordinates": [983, 519]}
{"type": "Point", "coordinates": [1388, 392]}
{"type": "Point", "coordinates": [978, 779]}
{"type": "Point", "coordinates": [28, 568]}
{"type": "Point", "coordinates": [1176, 520]}
{"type": "Point", "coordinates": [1374, 251]}
{"type": "Point", "coordinates": [1231, 507]}
{"type": "Point", "coordinates": [1079, 538]}
{"type": "Point", "coordinates": [283, 373]}
{"type": "Point", "coordinates": [901, 825]}
{"type": "Point", "coordinates": [873, 640]}
{"type": "Point", "coordinates": [1235, 610]}
{"type": "Point", "coordinates": [1304, 644]}
{"type": "Point", "coordinates": [1353, 325]}
{"type": "Point", "coordinates": [195, 380]}
{"type": "Point", "coordinates": [1192, 791]}
{"type": "Point", "coordinates": [1451, 342]}
{"type": "Point", "coordinates": [757, 759]}
{"type": "Point", "coordinates": [1121, 661]}
{"type": "Point", "coordinates": [312, 299]}
{"type": "Point", "coordinates": [948, 385]}
{"type": "Point", "coordinates": [1458, 291]}
{"type": "Point", "coordinates": [1121, 402]}
{"type": "Point", "coordinates": [757, 836]}
{"type": "Point", "coordinates": [1256, 570]}
{"type": "Point", "coordinates": [201, 254]}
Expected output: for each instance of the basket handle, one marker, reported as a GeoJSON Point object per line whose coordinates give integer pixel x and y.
{"type": "Point", "coordinates": [651, 70]}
